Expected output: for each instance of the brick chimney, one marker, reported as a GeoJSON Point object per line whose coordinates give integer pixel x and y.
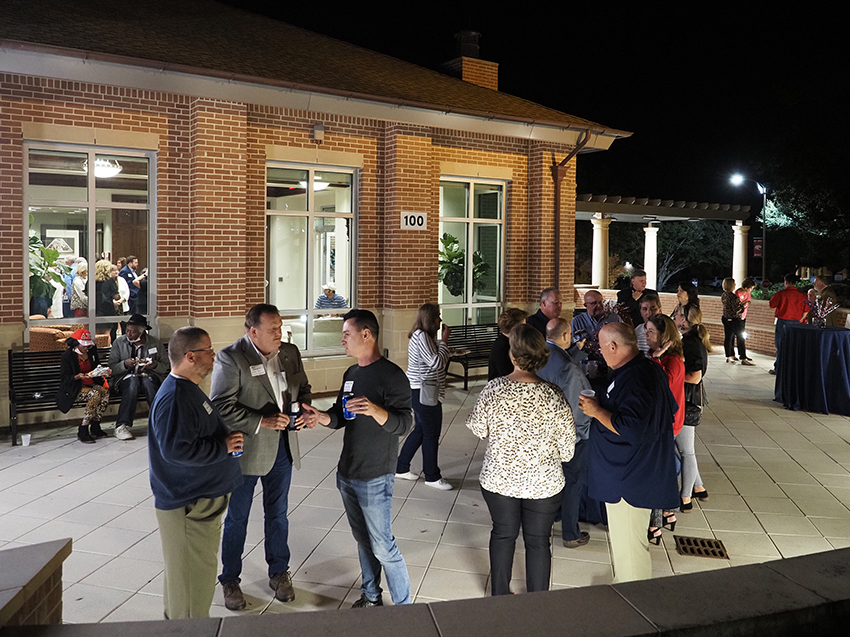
{"type": "Point", "coordinates": [468, 66]}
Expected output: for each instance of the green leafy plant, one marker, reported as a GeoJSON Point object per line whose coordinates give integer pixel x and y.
{"type": "Point", "coordinates": [41, 260]}
{"type": "Point", "coordinates": [452, 265]}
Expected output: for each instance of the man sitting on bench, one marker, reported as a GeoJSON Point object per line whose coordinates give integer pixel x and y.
{"type": "Point", "coordinates": [138, 362]}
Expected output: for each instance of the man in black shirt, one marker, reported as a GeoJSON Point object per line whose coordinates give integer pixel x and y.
{"type": "Point", "coordinates": [550, 308]}
{"type": "Point", "coordinates": [376, 414]}
{"type": "Point", "coordinates": [632, 296]}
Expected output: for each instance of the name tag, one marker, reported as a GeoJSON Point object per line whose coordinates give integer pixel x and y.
{"type": "Point", "coordinates": [207, 407]}
{"type": "Point", "coordinates": [348, 385]}
{"type": "Point", "coordinates": [610, 388]}
{"type": "Point", "coordinates": [258, 370]}
{"type": "Point", "coordinates": [152, 350]}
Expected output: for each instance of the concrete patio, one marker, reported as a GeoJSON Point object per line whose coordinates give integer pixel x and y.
{"type": "Point", "coordinates": [779, 484]}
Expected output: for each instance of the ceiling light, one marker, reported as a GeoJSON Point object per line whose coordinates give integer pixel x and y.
{"type": "Point", "coordinates": [104, 168]}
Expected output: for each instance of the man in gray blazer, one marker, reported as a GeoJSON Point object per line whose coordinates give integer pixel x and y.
{"type": "Point", "coordinates": [253, 383]}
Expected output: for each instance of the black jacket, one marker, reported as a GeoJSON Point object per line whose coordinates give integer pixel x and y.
{"type": "Point", "coordinates": [69, 387]}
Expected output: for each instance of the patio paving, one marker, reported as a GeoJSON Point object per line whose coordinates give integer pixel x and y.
{"type": "Point", "coordinates": [779, 484]}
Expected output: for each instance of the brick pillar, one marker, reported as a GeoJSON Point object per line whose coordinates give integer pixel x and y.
{"type": "Point", "coordinates": [217, 210]}
{"type": "Point", "coordinates": [411, 185]}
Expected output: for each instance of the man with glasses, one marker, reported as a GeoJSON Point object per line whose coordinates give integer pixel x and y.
{"type": "Point", "coordinates": [254, 382]}
{"type": "Point", "coordinates": [191, 474]}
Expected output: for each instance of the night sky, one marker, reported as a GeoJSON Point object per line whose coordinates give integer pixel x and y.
{"type": "Point", "coordinates": [706, 92]}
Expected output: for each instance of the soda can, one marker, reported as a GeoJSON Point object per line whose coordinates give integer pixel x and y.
{"type": "Point", "coordinates": [348, 415]}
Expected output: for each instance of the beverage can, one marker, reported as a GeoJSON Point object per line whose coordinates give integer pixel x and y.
{"type": "Point", "coordinates": [236, 453]}
{"type": "Point", "coordinates": [294, 413]}
{"type": "Point", "coordinates": [345, 413]}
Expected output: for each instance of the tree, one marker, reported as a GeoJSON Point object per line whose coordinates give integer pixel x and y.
{"type": "Point", "coordinates": [683, 244]}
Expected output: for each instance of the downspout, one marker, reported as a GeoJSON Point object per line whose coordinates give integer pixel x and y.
{"type": "Point", "coordinates": [559, 171]}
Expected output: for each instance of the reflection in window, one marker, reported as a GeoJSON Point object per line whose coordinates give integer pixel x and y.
{"type": "Point", "coordinates": [83, 207]}
{"type": "Point", "coordinates": [310, 259]}
{"type": "Point", "coordinates": [471, 292]}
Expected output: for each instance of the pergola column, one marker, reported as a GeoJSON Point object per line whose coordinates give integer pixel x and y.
{"type": "Point", "coordinates": [650, 255]}
{"type": "Point", "coordinates": [739, 253]}
{"type": "Point", "coordinates": [600, 251]}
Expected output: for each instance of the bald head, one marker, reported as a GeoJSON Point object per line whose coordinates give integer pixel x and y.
{"type": "Point", "coordinates": [558, 331]}
{"type": "Point", "coordinates": [594, 303]}
{"type": "Point", "coordinates": [618, 344]}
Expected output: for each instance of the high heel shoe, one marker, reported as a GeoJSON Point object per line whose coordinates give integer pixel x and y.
{"type": "Point", "coordinates": [702, 495]}
{"type": "Point", "coordinates": [686, 506]}
{"type": "Point", "coordinates": [669, 520]}
{"type": "Point", "coordinates": [653, 535]}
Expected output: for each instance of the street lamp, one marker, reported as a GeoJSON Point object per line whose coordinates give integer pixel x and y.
{"type": "Point", "coordinates": [738, 179]}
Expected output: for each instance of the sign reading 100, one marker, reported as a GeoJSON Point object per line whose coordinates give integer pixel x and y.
{"type": "Point", "coordinates": [414, 221]}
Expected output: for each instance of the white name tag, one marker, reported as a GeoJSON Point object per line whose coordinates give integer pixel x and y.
{"type": "Point", "coordinates": [208, 407]}
{"type": "Point", "coordinates": [610, 387]}
{"type": "Point", "coordinates": [152, 350]}
{"type": "Point", "coordinates": [258, 370]}
{"type": "Point", "coordinates": [348, 385]}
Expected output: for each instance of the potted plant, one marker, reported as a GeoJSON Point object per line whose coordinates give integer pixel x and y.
{"type": "Point", "coordinates": [452, 265]}
{"type": "Point", "coordinates": [41, 261]}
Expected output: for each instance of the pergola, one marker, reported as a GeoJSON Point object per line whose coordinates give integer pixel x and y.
{"type": "Point", "coordinates": [601, 210]}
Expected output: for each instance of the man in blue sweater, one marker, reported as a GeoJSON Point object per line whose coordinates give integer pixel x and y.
{"type": "Point", "coordinates": [192, 474]}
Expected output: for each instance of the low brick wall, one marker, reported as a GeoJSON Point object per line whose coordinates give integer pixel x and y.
{"type": "Point", "coordinates": [31, 584]}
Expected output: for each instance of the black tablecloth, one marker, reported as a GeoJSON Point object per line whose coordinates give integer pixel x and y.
{"type": "Point", "coordinates": [813, 369]}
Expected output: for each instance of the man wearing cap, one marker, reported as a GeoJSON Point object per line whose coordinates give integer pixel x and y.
{"type": "Point", "coordinates": [139, 363]}
{"type": "Point", "coordinates": [330, 299]}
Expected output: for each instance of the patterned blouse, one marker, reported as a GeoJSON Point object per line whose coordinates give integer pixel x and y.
{"type": "Point", "coordinates": [732, 305]}
{"type": "Point", "coordinates": [530, 432]}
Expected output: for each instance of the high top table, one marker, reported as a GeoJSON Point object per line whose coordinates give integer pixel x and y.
{"type": "Point", "coordinates": [813, 369]}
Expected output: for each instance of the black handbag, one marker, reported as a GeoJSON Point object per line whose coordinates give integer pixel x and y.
{"type": "Point", "coordinates": [693, 404]}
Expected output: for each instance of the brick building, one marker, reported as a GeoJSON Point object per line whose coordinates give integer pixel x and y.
{"type": "Point", "coordinates": [245, 160]}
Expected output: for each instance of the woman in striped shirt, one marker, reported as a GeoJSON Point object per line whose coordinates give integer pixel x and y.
{"type": "Point", "coordinates": [426, 371]}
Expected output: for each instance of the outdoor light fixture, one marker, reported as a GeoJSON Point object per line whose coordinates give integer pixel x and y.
{"type": "Point", "coordinates": [104, 168]}
{"type": "Point", "coordinates": [317, 185]}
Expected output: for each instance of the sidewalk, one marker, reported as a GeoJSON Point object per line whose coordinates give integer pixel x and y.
{"type": "Point", "coordinates": [779, 484]}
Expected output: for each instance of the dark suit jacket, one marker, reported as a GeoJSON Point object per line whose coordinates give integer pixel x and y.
{"type": "Point", "coordinates": [243, 399]}
{"type": "Point", "coordinates": [625, 297]}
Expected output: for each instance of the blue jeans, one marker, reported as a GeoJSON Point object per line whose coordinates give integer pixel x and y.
{"type": "Point", "coordinates": [368, 506]}
{"type": "Point", "coordinates": [575, 474]}
{"type": "Point", "coordinates": [275, 503]}
{"type": "Point", "coordinates": [129, 388]}
{"type": "Point", "coordinates": [426, 433]}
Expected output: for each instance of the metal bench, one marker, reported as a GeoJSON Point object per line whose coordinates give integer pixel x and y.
{"type": "Point", "coordinates": [472, 344]}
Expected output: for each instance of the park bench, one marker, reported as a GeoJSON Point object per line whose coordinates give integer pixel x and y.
{"type": "Point", "coordinates": [34, 380]}
{"type": "Point", "coordinates": [472, 345]}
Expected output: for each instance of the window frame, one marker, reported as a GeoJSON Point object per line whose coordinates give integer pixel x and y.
{"type": "Point", "coordinates": [470, 306]}
{"type": "Point", "coordinates": [311, 214]}
{"type": "Point", "coordinates": [92, 205]}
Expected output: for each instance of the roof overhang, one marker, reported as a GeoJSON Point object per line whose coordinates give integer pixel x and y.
{"type": "Point", "coordinates": [637, 210]}
{"type": "Point", "coordinates": [99, 68]}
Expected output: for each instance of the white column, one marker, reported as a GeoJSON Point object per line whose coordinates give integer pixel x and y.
{"type": "Point", "coordinates": [739, 253]}
{"type": "Point", "coordinates": [650, 255]}
{"type": "Point", "coordinates": [600, 251]}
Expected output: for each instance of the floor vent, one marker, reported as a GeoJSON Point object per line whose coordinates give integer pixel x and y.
{"type": "Point", "coordinates": [700, 547]}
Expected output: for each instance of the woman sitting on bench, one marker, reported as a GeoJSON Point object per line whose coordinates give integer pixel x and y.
{"type": "Point", "coordinates": [82, 379]}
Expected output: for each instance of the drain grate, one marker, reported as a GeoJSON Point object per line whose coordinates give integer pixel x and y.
{"type": "Point", "coordinates": [700, 547]}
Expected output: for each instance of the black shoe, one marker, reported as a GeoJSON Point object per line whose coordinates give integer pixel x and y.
{"type": "Point", "coordinates": [669, 519]}
{"type": "Point", "coordinates": [233, 597]}
{"type": "Point", "coordinates": [653, 535]}
{"type": "Point", "coordinates": [583, 539]}
{"type": "Point", "coordinates": [700, 495]}
{"type": "Point", "coordinates": [281, 584]}
{"type": "Point", "coordinates": [96, 431]}
{"type": "Point", "coordinates": [772, 372]}
{"type": "Point", "coordinates": [686, 506]}
{"type": "Point", "coordinates": [365, 602]}
{"type": "Point", "coordinates": [84, 436]}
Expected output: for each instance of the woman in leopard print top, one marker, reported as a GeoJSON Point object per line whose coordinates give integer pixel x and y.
{"type": "Point", "coordinates": [529, 429]}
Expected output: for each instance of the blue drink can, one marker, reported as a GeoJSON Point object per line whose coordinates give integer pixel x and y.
{"type": "Point", "coordinates": [235, 454]}
{"type": "Point", "coordinates": [345, 413]}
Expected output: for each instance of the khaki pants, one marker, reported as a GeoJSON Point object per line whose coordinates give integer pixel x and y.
{"type": "Point", "coordinates": [190, 540]}
{"type": "Point", "coordinates": [627, 526]}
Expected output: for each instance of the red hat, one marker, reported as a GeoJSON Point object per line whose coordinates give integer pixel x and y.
{"type": "Point", "coordinates": [83, 337]}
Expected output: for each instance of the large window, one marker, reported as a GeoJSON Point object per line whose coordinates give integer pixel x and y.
{"type": "Point", "coordinates": [471, 223]}
{"type": "Point", "coordinates": [309, 260]}
{"type": "Point", "coordinates": [84, 210]}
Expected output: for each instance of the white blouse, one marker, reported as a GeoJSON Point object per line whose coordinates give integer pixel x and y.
{"type": "Point", "coordinates": [530, 432]}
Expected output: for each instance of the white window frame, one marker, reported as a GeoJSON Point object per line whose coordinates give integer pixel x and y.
{"type": "Point", "coordinates": [469, 307]}
{"type": "Point", "coordinates": [311, 214]}
{"type": "Point", "coordinates": [92, 205]}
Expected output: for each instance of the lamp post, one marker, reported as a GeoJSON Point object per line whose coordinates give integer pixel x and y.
{"type": "Point", "coordinates": [738, 179]}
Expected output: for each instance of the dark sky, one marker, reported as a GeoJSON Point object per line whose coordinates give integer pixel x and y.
{"type": "Point", "coordinates": [706, 91]}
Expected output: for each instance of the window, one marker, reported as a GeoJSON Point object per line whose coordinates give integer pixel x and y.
{"type": "Point", "coordinates": [82, 221]}
{"type": "Point", "coordinates": [471, 222]}
{"type": "Point", "coordinates": [309, 244]}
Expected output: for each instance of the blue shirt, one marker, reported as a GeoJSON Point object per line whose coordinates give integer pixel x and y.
{"type": "Point", "coordinates": [637, 465]}
{"type": "Point", "coordinates": [323, 302]}
{"type": "Point", "coordinates": [187, 448]}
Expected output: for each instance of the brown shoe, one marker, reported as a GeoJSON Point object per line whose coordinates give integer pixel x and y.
{"type": "Point", "coordinates": [281, 584]}
{"type": "Point", "coordinates": [233, 597]}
